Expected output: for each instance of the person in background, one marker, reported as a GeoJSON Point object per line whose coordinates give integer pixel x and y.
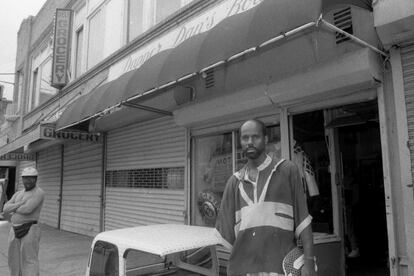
{"type": "Point", "coordinates": [3, 191]}
{"type": "Point", "coordinates": [263, 212]}
{"type": "Point", "coordinates": [23, 211]}
{"type": "Point", "coordinates": [351, 210]}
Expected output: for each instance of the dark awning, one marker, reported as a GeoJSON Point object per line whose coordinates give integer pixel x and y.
{"type": "Point", "coordinates": [229, 39]}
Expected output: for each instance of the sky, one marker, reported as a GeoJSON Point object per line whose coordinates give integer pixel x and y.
{"type": "Point", "coordinates": [12, 13]}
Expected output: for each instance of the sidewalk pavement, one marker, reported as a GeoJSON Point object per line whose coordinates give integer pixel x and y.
{"type": "Point", "coordinates": [61, 253]}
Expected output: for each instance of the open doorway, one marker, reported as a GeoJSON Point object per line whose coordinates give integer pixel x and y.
{"type": "Point", "coordinates": [339, 151]}
{"type": "Point", "coordinates": [7, 184]}
{"type": "Point", "coordinates": [363, 200]}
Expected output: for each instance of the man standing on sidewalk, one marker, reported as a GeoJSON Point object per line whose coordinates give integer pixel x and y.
{"type": "Point", "coordinates": [263, 211]}
{"type": "Point", "coordinates": [23, 209]}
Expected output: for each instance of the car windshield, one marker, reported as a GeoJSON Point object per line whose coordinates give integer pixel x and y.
{"type": "Point", "coordinates": [190, 262]}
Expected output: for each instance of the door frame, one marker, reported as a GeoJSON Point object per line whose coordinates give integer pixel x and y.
{"type": "Point", "coordinates": [337, 175]}
{"type": "Point", "coordinates": [331, 138]}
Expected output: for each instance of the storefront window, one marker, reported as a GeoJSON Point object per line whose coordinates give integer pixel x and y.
{"type": "Point", "coordinates": [213, 166]}
{"type": "Point", "coordinates": [214, 162]}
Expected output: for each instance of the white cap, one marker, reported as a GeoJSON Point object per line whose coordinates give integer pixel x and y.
{"type": "Point", "coordinates": [30, 171]}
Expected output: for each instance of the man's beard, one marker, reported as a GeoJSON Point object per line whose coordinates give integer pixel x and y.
{"type": "Point", "coordinates": [252, 154]}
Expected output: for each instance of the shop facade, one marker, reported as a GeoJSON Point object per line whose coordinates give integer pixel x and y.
{"type": "Point", "coordinates": [167, 115]}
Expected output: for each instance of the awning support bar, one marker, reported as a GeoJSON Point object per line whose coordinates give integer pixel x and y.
{"type": "Point", "coordinates": [147, 108]}
{"type": "Point", "coordinates": [356, 39]}
{"type": "Point", "coordinates": [288, 33]}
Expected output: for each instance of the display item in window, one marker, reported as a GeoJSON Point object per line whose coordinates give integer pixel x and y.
{"type": "Point", "coordinates": [3, 193]}
{"type": "Point", "coordinates": [306, 170]}
{"type": "Point", "coordinates": [351, 189]}
{"type": "Point", "coordinates": [209, 205]}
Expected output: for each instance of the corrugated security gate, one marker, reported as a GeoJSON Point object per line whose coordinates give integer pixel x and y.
{"type": "Point", "coordinates": [22, 166]}
{"type": "Point", "coordinates": [49, 168]}
{"type": "Point", "coordinates": [407, 59]}
{"type": "Point", "coordinates": [82, 178]}
{"type": "Point", "coordinates": [145, 174]}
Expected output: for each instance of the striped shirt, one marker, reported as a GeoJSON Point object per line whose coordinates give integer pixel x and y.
{"type": "Point", "coordinates": [261, 220]}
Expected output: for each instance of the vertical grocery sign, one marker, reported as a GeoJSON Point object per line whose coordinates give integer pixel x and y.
{"type": "Point", "coordinates": [61, 47]}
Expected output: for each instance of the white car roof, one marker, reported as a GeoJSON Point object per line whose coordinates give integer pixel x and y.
{"type": "Point", "coordinates": [161, 239]}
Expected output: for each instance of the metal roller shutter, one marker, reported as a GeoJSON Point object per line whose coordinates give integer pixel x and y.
{"type": "Point", "coordinates": [82, 178]}
{"type": "Point", "coordinates": [145, 174]}
{"type": "Point", "coordinates": [127, 207]}
{"type": "Point", "coordinates": [407, 59]}
{"type": "Point", "coordinates": [49, 168]}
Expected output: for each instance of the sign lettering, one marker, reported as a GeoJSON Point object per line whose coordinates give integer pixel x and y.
{"type": "Point", "coordinates": [61, 47]}
{"type": "Point", "coordinates": [203, 23]}
{"type": "Point", "coordinates": [242, 6]}
{"type": "Point", "coordinates": [18, 156]}
{"type": "Point", "coordinates": [186, 32]}
{"type": "Point", "coordinates": [50, 133]}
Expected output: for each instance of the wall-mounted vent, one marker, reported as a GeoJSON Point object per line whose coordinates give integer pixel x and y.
{"type": "Point", "coordinates": [343, 20]}
{"type": "Point", "coordinates": [209, 78]}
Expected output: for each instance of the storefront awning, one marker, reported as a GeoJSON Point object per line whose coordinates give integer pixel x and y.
{"type": "Point", "coordinates": [232, 38]}
{"type": "Point", "coordinates": [21, 141]}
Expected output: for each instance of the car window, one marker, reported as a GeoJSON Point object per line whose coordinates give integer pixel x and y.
{"type": "Point", "coordinates": [104, 260]}
{"type": "Point", "coordinates": [142, 263]}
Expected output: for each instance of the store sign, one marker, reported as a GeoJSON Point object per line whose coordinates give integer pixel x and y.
{"type": "Point", "coordinates": [51, 133]}
{"type": "Point", "coordinates": [18, 157]}
{"type": "Point", "coordinates": [202, 23]}
{"type": "Point", "coordinates": [61, 47]}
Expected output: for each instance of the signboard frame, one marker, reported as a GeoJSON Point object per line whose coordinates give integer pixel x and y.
{"type": "Point", "coordinates": [50, 133]}
{"type": "Point", "coordinates": [62, 38]}
{"type": "Point", "coordinates": [18, 156]}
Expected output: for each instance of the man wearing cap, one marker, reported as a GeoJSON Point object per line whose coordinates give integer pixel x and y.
{"type": "Point", "coordinates": [23, 210]}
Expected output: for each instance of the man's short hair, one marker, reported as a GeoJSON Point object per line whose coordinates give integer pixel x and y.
{"type": "Point", "coordinates": [257, 121]}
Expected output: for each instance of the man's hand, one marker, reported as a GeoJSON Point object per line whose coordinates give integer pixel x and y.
{"type": "Point", "coordinates": [308, 269]}
{"type": "Point", "coordinates": [21, 202]}
{"type": "Point", "coordinates": [11, 207]}
{"type": "Point", "coordinates": [6, 216]}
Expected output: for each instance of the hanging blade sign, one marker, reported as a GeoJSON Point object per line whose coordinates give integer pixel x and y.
{"type": "Point", "coordinates": [61, 47]}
